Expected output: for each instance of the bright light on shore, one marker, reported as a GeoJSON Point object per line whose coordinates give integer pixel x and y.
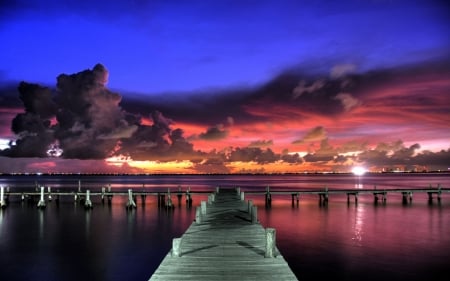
{"type": "Point", "coordinates": [359, 171]}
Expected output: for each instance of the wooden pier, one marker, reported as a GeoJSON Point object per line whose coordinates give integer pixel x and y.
{"type": "Point", "coordinates": [225, 242]}
{"type": "Point", "coordinates": [164, 198]}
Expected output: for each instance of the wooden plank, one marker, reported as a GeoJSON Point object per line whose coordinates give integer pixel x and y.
{"type": "Point", "coordinates": [226, 245]}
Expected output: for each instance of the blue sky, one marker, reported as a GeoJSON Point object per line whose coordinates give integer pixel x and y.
{"type": "Point", "coordinates": [151, 47]}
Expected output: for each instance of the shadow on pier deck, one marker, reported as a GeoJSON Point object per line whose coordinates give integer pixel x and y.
{"type": "Point", "coordinates": [226, 242]}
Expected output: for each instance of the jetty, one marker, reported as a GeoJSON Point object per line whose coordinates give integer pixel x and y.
{"type": "Point", "coordinates": [225, 242]}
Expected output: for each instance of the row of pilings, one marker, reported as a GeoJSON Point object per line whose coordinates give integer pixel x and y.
{"type": "Point", "coordinates": [43, 197]}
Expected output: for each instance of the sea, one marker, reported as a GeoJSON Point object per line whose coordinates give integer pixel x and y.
{"type": "Point", "coordinates": [340, 240]}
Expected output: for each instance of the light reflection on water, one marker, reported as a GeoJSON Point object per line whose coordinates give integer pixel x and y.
{"type": "Point", "coordinates": [344, 241]}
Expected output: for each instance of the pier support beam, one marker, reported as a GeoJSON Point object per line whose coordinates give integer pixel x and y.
{"type": "Point", "coordinates": [110, 196]}
{"type": "Point", "coordinates": [88, 202]}
{"type": "Point", "coordinates": [169, 204]}
{"type": "Point", "coordinates": [130, 204]}
{"type": "Point", "coordinates": [323, 198]}
{"type": "Point", "coordinates": [179, 195]}
{"type": "Point", "coordinates": [2, 198]}
{"type": "Point", "coordinates": [270, 243]}
{"type": "Point", "coordinates": [250, 206]}
{"type": "Point", "coordinates": [254, 214]}
{"type": "Point", "coordinates": [407, 197]}
{"type": "Point", "coordinates": [49, 190]}
{"type": "Point", "coordinates": [203, 207]}
{"type": "Point", "coordinates": [103, 194]}
{"type": "Point", "coordinates": [41, 203]}
{"type": "Point", "coordinates": [268, 197]}
{"type": "Point", "coordinates": [188, 197]}
{"type": "Point", "coordinates": [242, 196]}
{"type": "Point", "coordinates": [198, 215]}
{"type": "Point", "coordinates": [295, 197]}
{"type": "Point", "coordinates": [176, 247]}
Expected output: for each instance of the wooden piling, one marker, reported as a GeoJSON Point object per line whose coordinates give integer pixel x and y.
{"type": "Point", "coordinates": [131, 204]}
{"type": "Point", "coordinates": [2, 198]}
{"type": "Point", "coordinates": [254, 214]}
{"type": "Point", "coordinates": [198, 215]}
{"type": "Point", "coordinates": [203, 207]}
{"type": "Point", "coordinates": [88, 202]}
{"type": "Point", "coordinates": [41, 203]}
{"type": "Point", "coordinates": [270, 243]}
{"type": "Point", "coordinates": [176, 247]}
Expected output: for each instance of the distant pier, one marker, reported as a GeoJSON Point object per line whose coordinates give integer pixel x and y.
{"type": "Point", "coordinates": [166, 199]}
{"type": "Point", "coordinates": [225, 242]}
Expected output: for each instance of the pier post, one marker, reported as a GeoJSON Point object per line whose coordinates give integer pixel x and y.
{"type": "Point", "coordinates": [242, 196]}
{"type": "Point", "coordinates": [439, 193]}
{"type": "Point", "coordinates": [203, 207]}
{"type": "Point", "coordinates": [88, 202]}
{"type": "Point", "coordinates": [238, 190]}
{"type": "Point", "coordinates": [79, 185]}
{"type": "Point", "coordinates": [270, 243]}
{"type": "Point", "coordinates": [49, 190]}
{"type": "Point", "coordinates": [2, 198]}
{"type": "Point", "coordinates": [404, 198]}
{"type": "Point", "coordinates": [217, 189]}
{"type": "Point", "coordinates": [110, 196]}
{"type": "Point", "coordinates": [179, 195]}
{"type": "Point", "coordinates": [176, 247]}
{"type": "Point", "coordinates": [250, 206]}
{"type": "Point", "coordinates": [103, 195]}
{"type": "Point", "coordinates": [169, 199]}
{"type": "Point", "coordinates": [41, 203]}
{"type": "Point", "coordinates": [268, 197]}
{"type": "Point", "coordinates": [430, 197]}
{"type": "Point", "coordinates": [161, 200]}
{"type": "Point", "coordinates": [254, 214]}
{"type": "Point", "coordinates": [211, 198]}
{"type": "Point", "coordinates": [130, 204]}
{"type": "Point", "coordinates": [198, 215]}
{"type": "Point", "coordinates": [188, 197]}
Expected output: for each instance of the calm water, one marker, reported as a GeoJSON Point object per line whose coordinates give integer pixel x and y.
{"type": "Point", "coordinates": [339, 241]}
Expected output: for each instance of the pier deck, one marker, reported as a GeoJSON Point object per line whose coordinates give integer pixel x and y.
{"type": "Point", "coordinates": [225, 245]}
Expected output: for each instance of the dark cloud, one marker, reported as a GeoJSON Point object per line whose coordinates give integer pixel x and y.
{"type": "Point", "coordinates": [316, 134]}
{"type": "Point", "coordinates": [261, 143]}
{"type": "Point", "coordinates": [211, 165]}
{"type": "Point", "coordinates": [158, 142]}
{"type": "Point", "coordinates": [291, 158]}
{"type": "Point", "coordinates": [90, 124]}
{"type": "Point", "coordinates": [325, 153]}
{"type": "Point", "coordinates": [255, 154]}
{"type": "Point", "coordinates": [214, 133]}
{"type": "Point", "coordinates": [89, 116]}
{"type": "Point", "coordinates": [33, 126]}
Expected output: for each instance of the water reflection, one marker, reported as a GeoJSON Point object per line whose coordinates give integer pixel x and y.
{"type": "Point", "coordinates": [358, 225]}
{"type": "Point", "coordinates": [41, 224]}
{"type": "Point", "coordinates": [87, 224]}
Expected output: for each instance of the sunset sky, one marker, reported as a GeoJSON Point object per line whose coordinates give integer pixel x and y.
{"type": "Point", "coordinates": [171, 86]}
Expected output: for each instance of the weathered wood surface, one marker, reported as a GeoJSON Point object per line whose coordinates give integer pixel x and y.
{"type": "Point", "coordinates": [224, 246]}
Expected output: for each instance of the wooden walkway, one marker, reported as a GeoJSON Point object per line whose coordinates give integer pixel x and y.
{"type": "Point", "coordinates": [224, 243]}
